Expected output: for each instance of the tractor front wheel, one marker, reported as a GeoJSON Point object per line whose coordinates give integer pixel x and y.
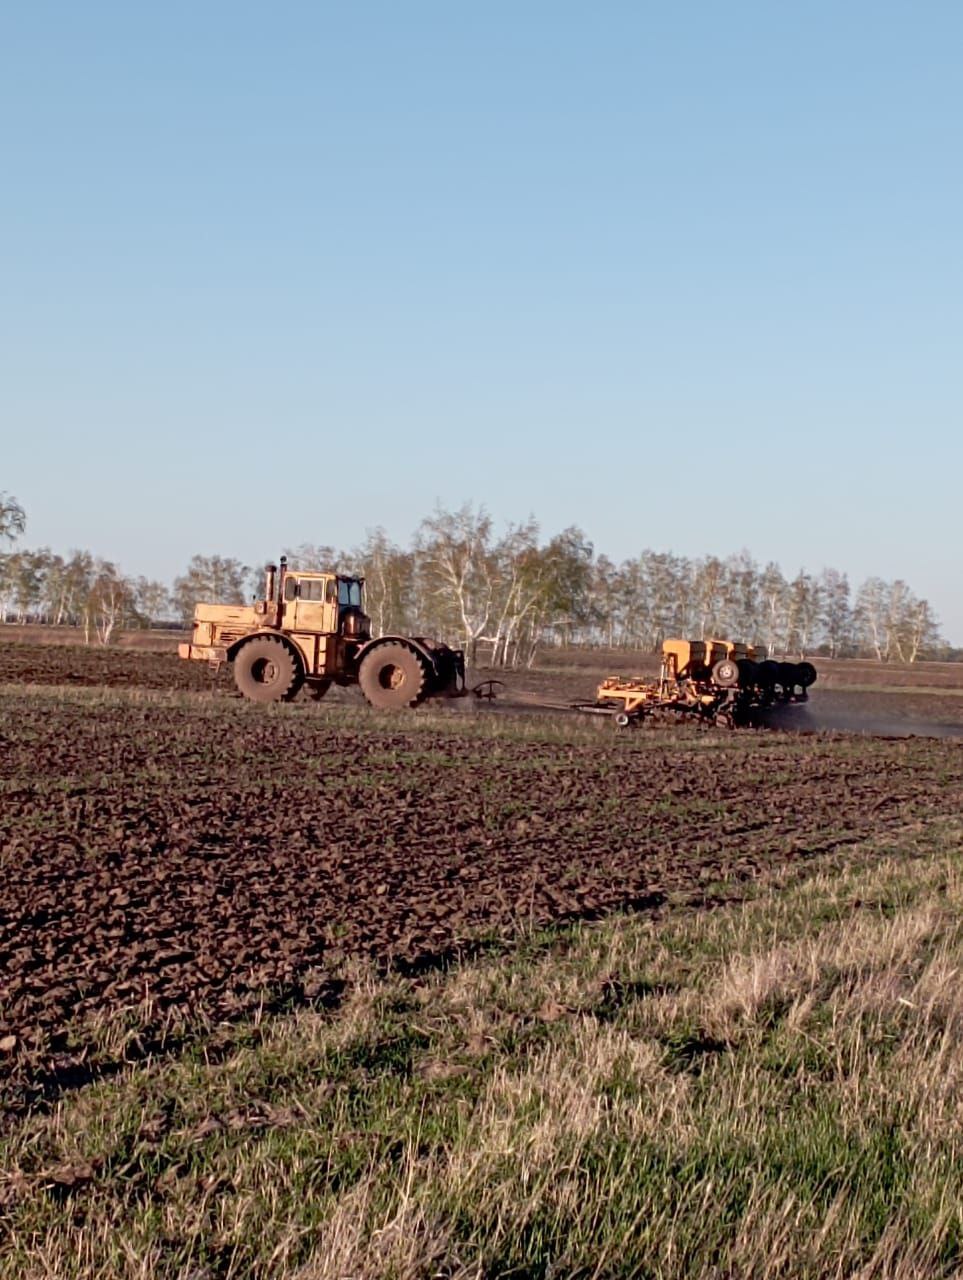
{"type": "Point", "coordinates": [392, 676]}
{"type": "Point", "coordinates": [265, 670]}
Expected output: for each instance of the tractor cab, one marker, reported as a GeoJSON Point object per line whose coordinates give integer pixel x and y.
{"type": "Point", "coordinates": [309, 602]}
{"type": "Point", "coordinates": [326, 603]}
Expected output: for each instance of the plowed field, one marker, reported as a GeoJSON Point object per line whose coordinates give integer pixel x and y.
{"type": "Point", "coordinates": [171, 860]}
{"type": "Point", "coordinates": [94, 666]}
{"type": "Point", "coordinates": [857, 697]}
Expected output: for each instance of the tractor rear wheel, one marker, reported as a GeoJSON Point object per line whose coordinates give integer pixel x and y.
{"type": "Point", "coordinates": [265, 670]}
{"type": "Point", "coordinates": [392, 676]}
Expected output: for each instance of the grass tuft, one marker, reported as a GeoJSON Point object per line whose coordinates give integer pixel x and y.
{"type": "Point", "coordinates": [773, 1088]}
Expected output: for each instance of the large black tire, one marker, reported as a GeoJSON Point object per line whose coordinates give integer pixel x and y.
{"type": "Point", "coordinates": [265, 670]}
{"type": "Point", "coordinates": [767, 675]}
{"type": "Point", "coordinates": [805, 674]}
{"type": "Point", "coordinates": [787, 679]}
{"type": "Point", "coordinates": [392, 676]}
{"type": "Point", "coordinates": [747, 672]}
{"type": "Point", "coordinates": [725, 673]}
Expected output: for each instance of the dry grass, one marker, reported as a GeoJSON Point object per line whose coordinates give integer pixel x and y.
{"type": "Point", "coordinates": [772, 1089]}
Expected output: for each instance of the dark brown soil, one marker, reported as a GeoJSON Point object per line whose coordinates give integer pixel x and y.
{"type": "Point", "coordinates": [188, 862]}
{"type": "Point", "coordinates": [161, 640]}
{"type": "Point", "coordinates": [849, 695]}
{"type": "Point", "coordinates": [172, 862]}
{"type": "Point", "coordinates": [96, 666]}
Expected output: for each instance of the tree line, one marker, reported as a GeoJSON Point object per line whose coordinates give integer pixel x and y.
{"type": "Point", "coordinates": [501, 594]}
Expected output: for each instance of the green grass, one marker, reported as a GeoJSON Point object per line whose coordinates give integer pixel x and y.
{"type": "Point", "coordinates": [773, 1088]}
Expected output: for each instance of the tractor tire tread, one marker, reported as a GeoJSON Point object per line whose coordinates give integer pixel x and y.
{"type": "Point", "coordinates": [414, 686]}
{"type": "Point", "coordinates": [272, 649]}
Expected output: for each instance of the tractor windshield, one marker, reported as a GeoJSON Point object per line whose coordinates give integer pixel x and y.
{"type": "Point", "coordinates": [349, 591]}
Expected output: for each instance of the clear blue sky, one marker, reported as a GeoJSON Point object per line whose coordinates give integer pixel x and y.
{"type": "Point", "coordinates": [689, 276]}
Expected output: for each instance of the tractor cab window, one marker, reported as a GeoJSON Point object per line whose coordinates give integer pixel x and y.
{"type": "Point", "coordinates": [349, 592]}
{"type": "Point", "coordinates": [313, 589]}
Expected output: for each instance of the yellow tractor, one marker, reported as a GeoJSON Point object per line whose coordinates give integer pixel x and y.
{"type": "Point", "coordinates": [311, 629]}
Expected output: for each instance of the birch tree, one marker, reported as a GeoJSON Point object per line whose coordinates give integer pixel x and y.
{"type": "Point", "coordinates": [517, 573]}
{"type": "Point", "coordinates": [13, 520]}
{"type": "Point", "coordinates": [606, 595]}
{"type": "Point", "coordinates": [923, 632]}
{"type": "Point", "coordinates": [78, 575]}
{"type": "Point", "coordinates": [837, 614]}
{"type": "Point", "coordinates": [708, 588]}
{"type": "Point", "coordinates": [872, 605]}
{"type": "Point", "coordinates": [151, 600]}
{"type": "Point", "coordinates": [802, 614]}
{"type": "Point", "coordinates": [773, 593]}
{"type": "Point", "coordinates": [455, 554]}
{"type": "Point", "coordinates": [389, 583]}
{"type": "Point", "coordinates": [110, 603]}
{"type": "Point", "coordinates": [911, 625]}
{"type": "Point", "coordinates": [209, 579]}
{"type": "Point", "coordinates": [312, 557]}
{"type": "Point", "coordinates": [742, 591]}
